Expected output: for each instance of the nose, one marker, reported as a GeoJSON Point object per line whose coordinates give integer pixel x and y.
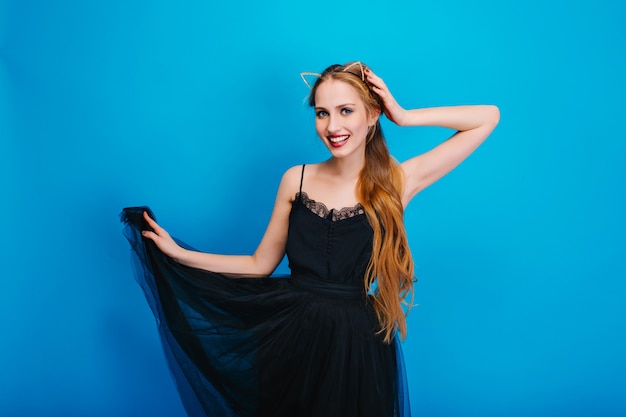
{"type": "Point", "coordinates": [333, 124]}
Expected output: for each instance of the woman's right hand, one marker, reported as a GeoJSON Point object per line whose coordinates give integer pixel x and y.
{"type": "Point", "coordinates": [162, 239]}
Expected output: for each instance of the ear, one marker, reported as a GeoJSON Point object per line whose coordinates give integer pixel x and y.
{"type": "Point", "coordinates": [373, 118]}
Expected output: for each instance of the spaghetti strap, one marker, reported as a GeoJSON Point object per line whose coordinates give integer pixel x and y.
{"type": "Point", "coordinates": [302, 178]}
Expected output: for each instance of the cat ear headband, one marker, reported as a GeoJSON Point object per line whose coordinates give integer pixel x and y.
{"type": "Point", "coordinates": [304, 75]}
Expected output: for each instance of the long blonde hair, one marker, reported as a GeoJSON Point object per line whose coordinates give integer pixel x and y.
{"type": "Point", "coordinates": [390, 272]}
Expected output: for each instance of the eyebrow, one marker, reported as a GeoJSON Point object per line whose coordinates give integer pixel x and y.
{"type": "Point", "coordinates": [337, 107]}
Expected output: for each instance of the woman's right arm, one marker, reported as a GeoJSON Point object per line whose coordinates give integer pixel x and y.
{"type": "Point", "coordinates": [267, 255]}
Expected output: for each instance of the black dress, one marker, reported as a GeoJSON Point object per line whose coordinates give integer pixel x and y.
{"type": "Point", "coordinates": [301, 346]}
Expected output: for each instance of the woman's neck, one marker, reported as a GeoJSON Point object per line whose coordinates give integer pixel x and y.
{"type": "Point", "coordinates": [348, 168]}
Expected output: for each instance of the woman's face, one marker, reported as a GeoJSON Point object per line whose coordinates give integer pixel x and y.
{"type": "Point", "coordinates": [341, 119]}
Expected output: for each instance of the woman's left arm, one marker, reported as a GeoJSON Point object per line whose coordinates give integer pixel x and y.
{"type": "Point", "coordinates": [472, 123]}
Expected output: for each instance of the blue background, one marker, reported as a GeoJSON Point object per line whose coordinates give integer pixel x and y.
{"type": "Point", "coordinates": [196, 108]}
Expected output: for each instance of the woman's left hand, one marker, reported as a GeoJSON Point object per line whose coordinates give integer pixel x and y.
{"type": "Point", "coordinates": [392, 109]}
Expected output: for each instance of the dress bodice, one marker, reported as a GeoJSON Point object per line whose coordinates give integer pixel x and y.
{"type": "Point", "coordinates": [332, 246]}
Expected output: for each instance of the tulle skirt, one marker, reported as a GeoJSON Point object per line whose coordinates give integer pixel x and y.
{"type": "Point", "coordinates": [270, 347]}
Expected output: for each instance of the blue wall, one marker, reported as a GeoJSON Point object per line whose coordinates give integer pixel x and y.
{"type": "Point", "coordinates": [195, 108]}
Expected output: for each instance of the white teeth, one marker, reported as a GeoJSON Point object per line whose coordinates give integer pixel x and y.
{"type": "Point", "coordinates": [338, 138]}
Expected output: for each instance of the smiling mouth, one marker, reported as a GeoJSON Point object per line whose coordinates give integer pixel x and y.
{"type": "Point", "coordinates": [336, 140]}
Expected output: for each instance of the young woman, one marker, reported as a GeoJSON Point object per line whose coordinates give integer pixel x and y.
{"type": "Point", "coordinates": [323, 342]}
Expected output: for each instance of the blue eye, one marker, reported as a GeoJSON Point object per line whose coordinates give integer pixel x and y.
{"type": "Point", "coordinates": [322, 113]}
{"type": "Point", "coordinates": [346, 111]}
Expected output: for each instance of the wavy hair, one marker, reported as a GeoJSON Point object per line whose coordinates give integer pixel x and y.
{"type": "Point", "coordinates": [390, 272]}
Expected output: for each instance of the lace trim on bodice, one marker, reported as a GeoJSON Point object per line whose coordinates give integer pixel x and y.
{"type": "Point", "coordinates": [322, 211]}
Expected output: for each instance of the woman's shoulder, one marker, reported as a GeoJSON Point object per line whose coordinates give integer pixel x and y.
{"type": "Point", "coordinates": [293, 177]}
{"type": "Point", "coordinates": [290, 182]}
{"type": "Point", "coordinates": [296, 172]}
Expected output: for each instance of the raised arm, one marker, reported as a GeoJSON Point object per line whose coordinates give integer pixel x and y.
{"type": "Point", "coordinates": [267, 255]}
{"type": "Point", "coordinates": [472, 123]}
